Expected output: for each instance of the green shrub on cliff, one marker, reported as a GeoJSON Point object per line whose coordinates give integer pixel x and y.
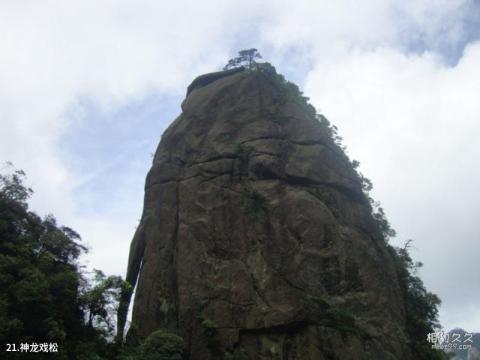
{"type": "Point", "coordinates": [421, 305]}
{"type": "Point", "coordinates": [162, 345]}
{"type": "Point", "coordinates": [237, 354]}
{"type": "Point", "coordinates": [288, 90]}
{"type": "Point", "coordinates": [210, 327]}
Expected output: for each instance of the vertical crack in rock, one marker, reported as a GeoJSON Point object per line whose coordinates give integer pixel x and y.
{"type": "Point", "coordinates": [175, 254]}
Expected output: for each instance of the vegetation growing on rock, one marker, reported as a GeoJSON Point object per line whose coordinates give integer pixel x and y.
{"type": "Point", "coordinates": [246, 58]}
{"type": "Point", "coordinates": [162, 345]}
{"type": "Point", "coordinates": [45, 295]}
{"type": "Point", "coordinates": [237, 354]}
{"type": "Point", "coordinates": [421, 305]}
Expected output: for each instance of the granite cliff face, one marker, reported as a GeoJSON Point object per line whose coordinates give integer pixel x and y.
{"type": "Point", "coordinates": [256, 235]}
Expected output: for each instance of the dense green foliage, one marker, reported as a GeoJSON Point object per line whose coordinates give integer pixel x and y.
{"type": "Point", "coordinates": [45, 295]}
{"type": "Point", "coordinates": [40, 278]}
{"type": "Point", "coordinates": [100, 298]}
{"type": "Point", "coordinates": [237, 354]}
{"type": "Point", "coordinates": [162, 345]}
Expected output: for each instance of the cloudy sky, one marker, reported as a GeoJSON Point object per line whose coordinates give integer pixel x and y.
{"type": "Point", "coordinates": [88, 87]}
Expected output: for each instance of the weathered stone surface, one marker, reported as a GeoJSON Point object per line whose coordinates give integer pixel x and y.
{"type": "Point", "coordinates": [206, 79]}
{"type": "Point", "coordinates": [261, 228]}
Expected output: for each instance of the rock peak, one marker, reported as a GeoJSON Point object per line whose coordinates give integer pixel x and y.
{"type": "Point", "coordinates": [256, 237]}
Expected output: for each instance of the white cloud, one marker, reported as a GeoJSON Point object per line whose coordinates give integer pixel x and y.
{"type": "Point", "coordinates": [329, 26]}
{"type": "Point", "coordinates": [104, 239]}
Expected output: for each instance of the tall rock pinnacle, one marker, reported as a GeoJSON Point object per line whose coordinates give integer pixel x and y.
{"type": "Point", "coordinates": [256, 237]}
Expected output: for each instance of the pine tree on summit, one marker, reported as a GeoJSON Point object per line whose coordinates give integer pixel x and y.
{"type": "Point", "coordinates": [245, 58]}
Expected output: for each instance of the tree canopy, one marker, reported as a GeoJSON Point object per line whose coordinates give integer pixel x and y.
{"type": "Point", "coordinates": [46, 295]}
{"type": "Point", "coordinates": [246, 58]}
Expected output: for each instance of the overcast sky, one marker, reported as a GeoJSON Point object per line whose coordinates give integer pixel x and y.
{"type": "Point", "coordinates": [88, 87]}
